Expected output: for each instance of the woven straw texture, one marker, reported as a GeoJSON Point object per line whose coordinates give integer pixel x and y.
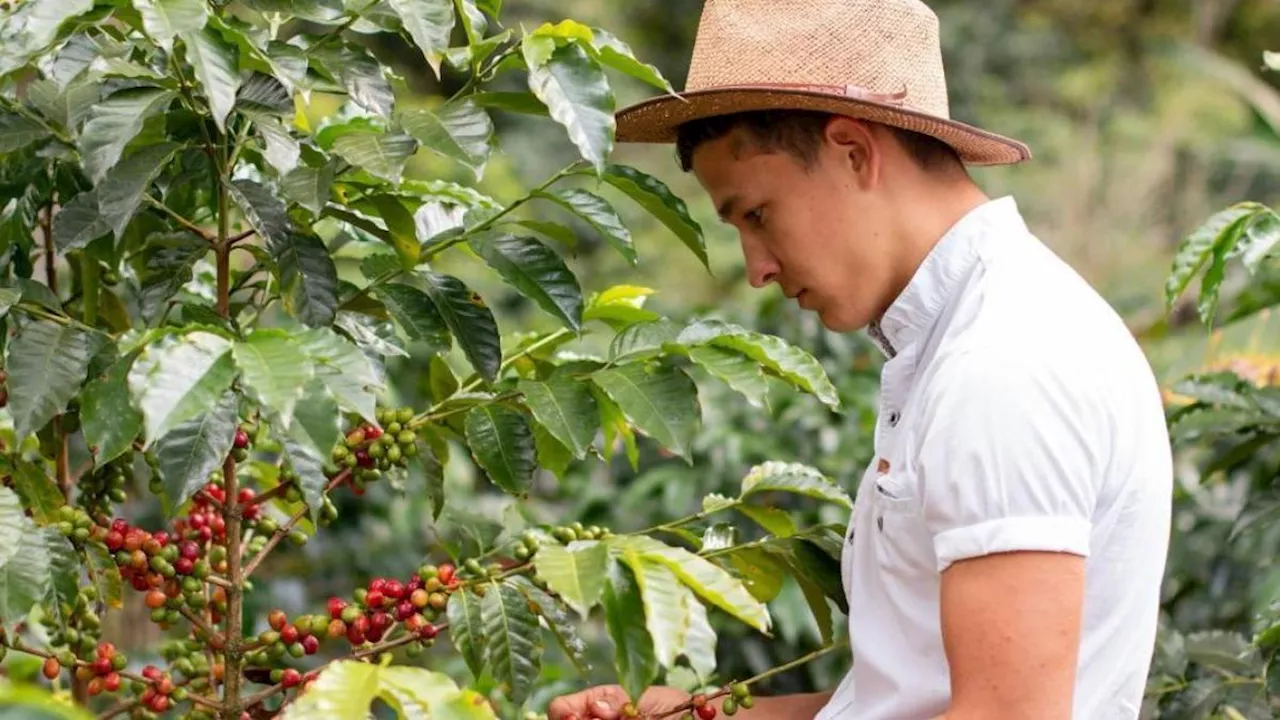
{"type": "Point", "coordinates": [879, 47]}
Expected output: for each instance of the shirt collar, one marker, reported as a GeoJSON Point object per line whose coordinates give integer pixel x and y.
{"type": "Point", "coordinates": [935, 282]}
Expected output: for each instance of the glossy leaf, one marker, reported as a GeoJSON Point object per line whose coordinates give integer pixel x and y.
{"type": "Point", "coordinates": [178, 379]}
{"type": "Point", "coordinates": [429, 22]}
{"type": "Point", "coordinates": [501, 441]}
{"type": "Point", "coordinates": [417, 315]}
{"type": "Point", "coordinates": [47, 364]}
{"type": "Point", "coordinates": [577, 95]}
{"type": "Point", "coordinates": [433, 475]}
{"type": "Point", "coordinates": [12, 519]}
{"type": "Point", "coordinates": [261, 207]}
{"type": "Point", "coordinates": [781, 358]}
{"type": "Point", "coordinates": [470, 321]}
{"type": "Point", "coordinates": [513, 640]}
{"type": "Point", "coordinates": [655, 197]}
{"type": "Point", "coordinates": [79, 222]}
{"type": "Point", "coordinates": [762, 574]}
{"type": "Point", "coordinates": [536, 271]}
{"type": "Point", "coordinates": [110, 421]}
{"type": "Point", "coordinates": [1261, 240]}
{"type": "Point", "coordinates": [120, 193]}
{"type": "Point", "coordinates": [700, 640]}
{"type": "Point", "coordinates": [24, 574]}
{"type": "Point", "coordinates": [197, 447]}
{"type": "Point", "coordinates": [518, 102]}
{"type": "Point", "coordinates": [737, 370]}
{"type": "Point", "coordinates": [793, 478]}
{"type": "Point", "coordinates": [217, 70]}
{"type": "Point", "coordinates": [467, 629]}
{"type": "Point", "coordinates": [1196, 249]}
{"type": "Point", "coordinates": [344, 370]}
{"type": "Point", "coordinates": [64, 573]}
{"type": "Point", "coordinates": [633, 655]}
{"type": "Point", "coordinates": [360, 74]}
{"type": "Point", "coordinates": [598, 213]}
{"type": "Point", "coordinates": [614, 424]}
{"type": "Point", "coordinates": [560, 623]}
{"type": "Point", "coordinates": [566, 408]}
{"type": "Point", "coordinates": [302, 446]}
{"type": "Point", "coordinates": [18, 131]}
{"type": "Point", "coordinates": [308, 278]}
{"type": "Point", "coordinates": [308, 186]}
{"type": "Point", "coordinates": [164, 19]}
{"type": "Point", "coordinates": [275, 369]}
{"type": "Point", "coordinates": [575, 572]}
{"type": "Point", "coordinates": [644, 340]}
{"type": "Point", "coordinates": [776, 522]}
{"type": "Point", "coordinates": [616, 54]}
{"type": "Point", "coordinates": [383, 155]}
{"type": "Point", "coordinates": [280, 149]}
{"type": "Point", "coordinates": [707, 579]}
{"type": "Point", "coordinates": [40, 493]}
{"type": "Point", "coordinates": [459, 130]}
{"type": "Point", "coordinates": [666, 611]}
{"type": "Point", "coordinates": [660, 400]}
{"type": "Point", "coordinates": [370, 334]}
{"type": "Point", "coordinates": [113, 123]}
{"type": "Point", "coordinates": [104, 575]}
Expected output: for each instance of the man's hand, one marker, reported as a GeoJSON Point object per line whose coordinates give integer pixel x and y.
{"type": "Point", "coordinates": [605, 702]}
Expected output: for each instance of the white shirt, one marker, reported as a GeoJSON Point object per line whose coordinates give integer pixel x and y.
{"type": "Point", "coordinates": [1017, 412]}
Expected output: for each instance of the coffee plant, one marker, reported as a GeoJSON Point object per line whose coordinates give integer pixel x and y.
{"type": "Point", "coordinates": [176, 327]}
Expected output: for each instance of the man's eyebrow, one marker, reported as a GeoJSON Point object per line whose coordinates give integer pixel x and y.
{"type": "Point", "coordinates": [726, 208]}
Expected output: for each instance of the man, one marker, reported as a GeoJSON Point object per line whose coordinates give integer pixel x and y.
{"type": "Point", "coordinates": [1007, 545]}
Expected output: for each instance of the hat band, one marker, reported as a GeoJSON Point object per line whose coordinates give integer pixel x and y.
{"type": "Point", "coordinates": [855, 92]}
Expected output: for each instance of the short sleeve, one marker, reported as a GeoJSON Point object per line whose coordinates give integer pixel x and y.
{"type": "Point", "coordinates": [1008, 459]}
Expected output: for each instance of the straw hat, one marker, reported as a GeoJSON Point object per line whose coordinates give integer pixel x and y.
{"type": "Point", "coordinates": [878, 60]}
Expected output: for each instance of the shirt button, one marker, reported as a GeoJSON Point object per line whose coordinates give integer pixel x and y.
{"type": "Point", "coordinates": [894, 417]}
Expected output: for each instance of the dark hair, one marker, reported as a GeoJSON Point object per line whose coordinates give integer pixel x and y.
{"type": "Point", "coordinates": [799, 132]}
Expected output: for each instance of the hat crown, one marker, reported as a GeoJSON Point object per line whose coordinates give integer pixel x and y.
{"type": "Point", "coordinates": [879, 46]}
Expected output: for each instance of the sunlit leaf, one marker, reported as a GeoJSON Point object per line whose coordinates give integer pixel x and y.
{"type": "Point", "coordinates": [47, 364]}
{"type": "Point", "coordinates": [662, 402]}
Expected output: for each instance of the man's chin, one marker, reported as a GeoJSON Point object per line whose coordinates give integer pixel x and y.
{"type": "Point", "coordinates": [838, 322]}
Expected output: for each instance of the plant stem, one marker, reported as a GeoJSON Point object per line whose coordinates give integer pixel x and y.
{"type": "Point", "coordinates": [64, 459]}
{"type": "Point", "coordinates": [50, 252]}
{"type": "Point", "coordinates": [283, 530]}
{"type": "Point", "coordinates": [173, 214]}
{"type": "Point", "coordinates": [42, 313]}
{"type": "Point", "coordinates": [198, 621]}
{"type": "Point", "coordinates": [89, 288]}
{"type": "Point", "coordinates": [235, 594]}
{"type": "Point", "coordinates": [223, 251]}
{"type": "Point", "coordinates": [685, 520]}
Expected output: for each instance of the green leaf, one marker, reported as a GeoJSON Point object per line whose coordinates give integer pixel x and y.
{"type": "Point", "coordinates": [111, 423]}
{"type": "Point", "coordinates": [316, 421]}
{"type": "Point", "coordinates": [466, 628]}
{"type": "Point", "coordinates": [1196, 249]}
{"type": "Point", "coordinates": [762, 573]}
{"type": "Point", "coordinates": [655, 197]}
{"type": "Point", "coordinates": [263, 97]}
{"type": "Point", "coordinates": [40, 494]}
{"type": "Point", "coordinates": [308, 186]}
{"type": "Point", "coordinates": [502, 443]}
{"type": "Point", "coordinates": [566, 408]}
{"type": "Point", "coordinates": [1261, 239]}
{"type": "Point", "coordinates": [643, 340]}
{"type": "Point", "coordinates": [512, 640]}
{"type": "Point", "coordinates": [12, 519]}
{"type": "Point", "coordinates": [415, 312]}
{"type": "Point", "coordinates": [559, 622]}
{"type": "Point", "coordinates": [782, 359]}
{"type": "Point", "coordinates": [1222, 650]}
{"type": "Point", "coordinates": [460, 130]}
{"type": "Point", "coordinates": [105, 575]}
{"type": "Point", "coordinates": [616, 54]}
{"type": "Point", "coordinates": [624, 616]}
{"type": "Point", "coordinates": [574, 88]}
{"type": "Point", "coordinates": [79, 223]}
{"type": "Point", "coordinates": [700, 639]}
{"type": "Point", "coordinates": [576, 573]}
{"type": "Point", "coordinates": [433, 472]}
{"type": "Point", "coordinates": [402, 227]}
{"type": "Point", "coordinates": [614, 424]}
{"type": "Point", "coordinates": [344, 370]}
{"type": "Point", "coordinates": [45, 17]}
{"type": "Point", "coordinates": [383, 155]}
{"type": "Point", "coordinates": [120, 193]}
{"type": "Point", "coordinates": [168, 268]}
{"type": "Point", "coordinates": [429, 22]}
{"type": "Point", "coordinates": [24, 574]}
{"type": "Point", "coordinates": [64, 572]}
{"type": "Point", "coordinates": [163, 19]}
{"type": "Point", "coordinates": [737, 370]}
{"type": "Point", "coordinates": [344, 690]}
{"type": "Point", "coordinates": [360, 74]}
{"type": "Point", "coordinates": [775, 521]}
{"type": "Point", "coordinates": [666, 612]}
{"type": "Point", "coordinates": [308, 278]}
{"type": "Point", "coordinates": [470, 321]}
{"type": "Point", "coordinates": [598, 213]}
{"type": "Point", "coordinates": [194, 449]}
{"type": "Point", "coordinates": [179, 378]}
{"type": "Point", "coordinates": [47, 364]}
{"type": "Point", "coordinates": [518, 102]}
{"type": "Point", "coordinates": [536, 271]}
{"type": "Point", "coordinates": [113, 123]}
{"type": "Point", "coordinates": [261, 207]}
{"type": "Point", "coordinates": [8, 298]}
{"type": "Point", "coordinates": [707, 579]}
{"type": "Point", "coordinates": [795, 478]}
{"type": "Point", "coordinates": [370, 334]}
{"type": "Point", "coordinates": [302, 441]}
{"type": "Point", "coordinates": [280, 149]}
{"type": "Point", "coordinates": [275, 369]}
{"type": "Point", "coordinates": [217, 70]}
{"type": "Point", "coordinates": [662, 402]}
{"type": "Point", "coordinates": [18, 131]}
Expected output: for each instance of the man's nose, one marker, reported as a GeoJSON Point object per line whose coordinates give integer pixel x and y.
{"type": "Point", "coordinates": [762, 267]}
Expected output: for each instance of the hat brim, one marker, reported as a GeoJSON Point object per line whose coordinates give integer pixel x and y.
{"type": "Point", "coordinates": [655, 120]}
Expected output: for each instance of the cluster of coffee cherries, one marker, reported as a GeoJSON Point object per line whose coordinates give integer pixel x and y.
{"type": "Point", "coordinates": [170, 571]}
{"type": "Point", "coordinates": [83, 626]}
{"type": "Point", "coordinates": [102, 673]}
{"type": "Point", "coordinates": [75, 525]}
{"type": "Point", "coordinates": [105, 485]}
{"type": "Point", "coordinates": [187, 657]}
{"type": "Point", "coordinates": [161, 693]}
{"type": "Point", "coordinates": [739, 697]}
{"type": "Point", "coordinates": [369, 450]}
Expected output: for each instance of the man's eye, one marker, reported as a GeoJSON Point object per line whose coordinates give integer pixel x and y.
{"type": "Point", "coordinates": [756, 216]}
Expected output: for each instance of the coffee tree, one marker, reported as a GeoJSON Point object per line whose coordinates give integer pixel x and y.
{"type": "Point", "coordinates": [175, 325]}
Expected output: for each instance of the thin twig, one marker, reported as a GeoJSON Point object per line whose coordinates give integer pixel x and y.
{"type": "Point", "coordinates": [271, 494]}
{"type": "Point", "coordinates": [283, 530]}
{"type": "Point", "coordinates": [119, 708]}
{"type": "Point", "coordinates": [199, 231]}
{"type": "Point", "coordinates": [218, 580]}
{"type": "Point", "coordinates": [241, 236]}
{"type": "Point", "coordinates": [198, 621]}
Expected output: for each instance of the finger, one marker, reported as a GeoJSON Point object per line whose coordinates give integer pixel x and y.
{"type": "Point", "coordinates": [605, 709]}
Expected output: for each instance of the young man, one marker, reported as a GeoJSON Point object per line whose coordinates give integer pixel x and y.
{"type": "Point", "coordinates": [1008, 541]}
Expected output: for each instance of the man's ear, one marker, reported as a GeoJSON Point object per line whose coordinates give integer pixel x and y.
{"type": "Point", "coordinates": [856, 147]}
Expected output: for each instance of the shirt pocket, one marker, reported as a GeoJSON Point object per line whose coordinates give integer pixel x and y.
{"type": "Point", "coordinates": [903, 545]}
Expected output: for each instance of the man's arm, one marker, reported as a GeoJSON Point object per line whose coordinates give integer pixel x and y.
{"type": "Point", "coordinates": [783, 707]}
{"type": "Point", "coordinates": [1011, 631]}
{"type": "Point", "coordinates": [605, 702]}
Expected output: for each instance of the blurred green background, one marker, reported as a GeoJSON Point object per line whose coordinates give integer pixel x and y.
{"type": "Point", "coordinates": [1144, 117]}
